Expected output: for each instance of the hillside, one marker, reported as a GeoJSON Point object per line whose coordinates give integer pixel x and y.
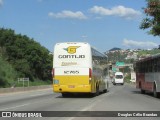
{"type": "Point", "coordinates": [26, 56]}
{"type": "Point", "coordinates": [114, 49]}
{"type": "Point", "coordinates": [129, 56]}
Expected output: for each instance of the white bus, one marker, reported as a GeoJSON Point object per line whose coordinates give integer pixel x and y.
{"type": "Point", "coordinates": [78, 68]}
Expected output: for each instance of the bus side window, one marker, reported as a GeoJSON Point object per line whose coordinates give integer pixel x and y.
{"type": "Point", "coordinates": [146, 69]}
{"type": "Point", "coordinates": [158, 65]}
{"type": "Point", "coordinates": [93, 62]}
{"type": "Point", "coordinates": [138, 68]}
{"type": "Point", "coordinates": [142, 68]}
{"type": "Point", "coordinates": [155, 65]}
{"type": "Point", "coordinates": [150, 65]}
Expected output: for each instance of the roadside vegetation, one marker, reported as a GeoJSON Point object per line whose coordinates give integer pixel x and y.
{"type": "Point", "coordinates": [7, 74]}
{"type": "Point", "coordinates": [152, 20]}
{"type": "Point", "coordinates": [23, 57]}
{"type": "Point", "coordinates": [127, 78]}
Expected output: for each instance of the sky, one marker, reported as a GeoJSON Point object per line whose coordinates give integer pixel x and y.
{"type": "Point", "coordinates": [102, 23]}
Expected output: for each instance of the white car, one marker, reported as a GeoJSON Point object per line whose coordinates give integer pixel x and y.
{"type": "Point", "coordinates": [119, 78]}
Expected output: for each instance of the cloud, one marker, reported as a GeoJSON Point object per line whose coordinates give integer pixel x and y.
{"type": "Point", "coordinates": [139, 44]}
{"type": "Point", "coordinates": [68, 14]}
{"type": "Point", "coordinates": [1, 2]}
{"type": "Point", "coordinates": [120, 11]}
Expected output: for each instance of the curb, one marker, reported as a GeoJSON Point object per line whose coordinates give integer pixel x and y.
{"type": "Point", "coordinates": [23, 89]}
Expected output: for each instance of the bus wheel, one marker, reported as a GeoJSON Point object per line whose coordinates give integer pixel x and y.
{"type": "Point", "coordinates": [155, 93]}
{"type": "Point", "coordinates": [105, 90]}
{"type": "Point", "coordinates": [142, 91]}
{"type": "Point", "coordinates": [97, 90]}
{"type": "Point", "coordinates": [65, 95]}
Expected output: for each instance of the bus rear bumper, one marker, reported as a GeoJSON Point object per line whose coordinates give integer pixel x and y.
{"type": "Point", "coordinates": [72, 88]}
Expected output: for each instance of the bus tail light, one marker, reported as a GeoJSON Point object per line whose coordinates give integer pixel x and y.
{"type": "Point", "coordinates": [53, 72]}
{"type": "Point", "coordinates": [90, 73]}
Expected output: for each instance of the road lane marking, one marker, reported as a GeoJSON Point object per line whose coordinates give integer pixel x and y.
{"type": "Point", "coordinates": [89, 108]}
{"type": "Point", "coordinates": [46, 100]}
{"type": "Point", "coordinates": [37, 95]}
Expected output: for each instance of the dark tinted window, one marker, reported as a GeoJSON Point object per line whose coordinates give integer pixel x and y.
{"type": "Point", "coordinates": [119, 76]}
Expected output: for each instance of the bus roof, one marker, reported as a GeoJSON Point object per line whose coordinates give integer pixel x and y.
{"type": "Point", "coordinates": [149, 58]}
{"type": "Point", "coordinates": [74, 43]}
{"type": "Point", "coordinates": [118, 73]}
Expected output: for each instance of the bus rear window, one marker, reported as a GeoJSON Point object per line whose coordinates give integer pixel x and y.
{"type": "Point", "coordinates": [119, 76]}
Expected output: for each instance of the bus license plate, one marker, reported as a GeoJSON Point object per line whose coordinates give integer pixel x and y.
{"type": "Point", "coordinates": [71, 86]}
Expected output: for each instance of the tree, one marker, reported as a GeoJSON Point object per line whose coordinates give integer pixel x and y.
{"type": "Point", "coordinates": [27, 56]}
{"type": "Point", "coordinates": [152, 20]}
{"type": "Point", "coordinates": [8, 75]}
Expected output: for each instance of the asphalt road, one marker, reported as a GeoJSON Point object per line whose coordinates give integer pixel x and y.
{"type": "Point", "coordinates": [118, 98]}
